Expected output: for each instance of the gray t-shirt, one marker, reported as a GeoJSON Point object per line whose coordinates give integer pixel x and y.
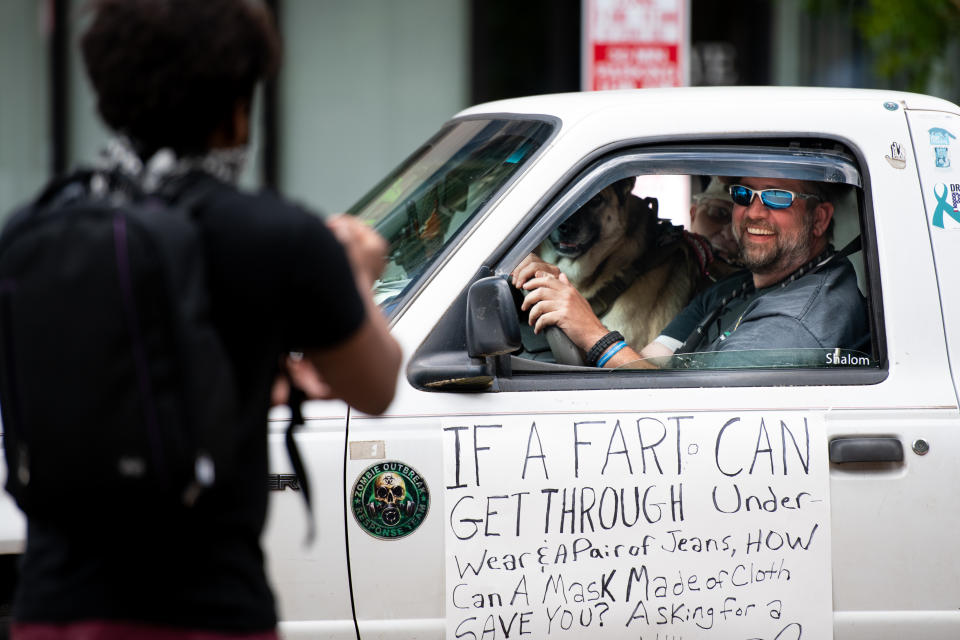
{"type": "Point", "coordinates": [820, 310]}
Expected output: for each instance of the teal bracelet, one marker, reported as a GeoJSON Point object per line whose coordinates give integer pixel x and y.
{"type": "Point", "coordinates": [612, 351]}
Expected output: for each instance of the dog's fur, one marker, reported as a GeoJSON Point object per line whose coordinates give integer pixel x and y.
{"type": "Point", "coordinates": [604, 238]}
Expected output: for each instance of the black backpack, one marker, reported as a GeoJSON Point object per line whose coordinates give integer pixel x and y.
{"type": "Point", "coordinates": [116, 392]}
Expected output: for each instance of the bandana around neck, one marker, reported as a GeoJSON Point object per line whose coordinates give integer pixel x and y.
{"type": "Point", "coordinates": [118, 155]}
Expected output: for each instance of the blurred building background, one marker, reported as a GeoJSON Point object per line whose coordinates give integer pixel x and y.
{"type": "Point", "coordinates": [365, 81]}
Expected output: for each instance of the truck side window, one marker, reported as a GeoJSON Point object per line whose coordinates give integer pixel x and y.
{"type": "Point", "coordinates": [726, 291]}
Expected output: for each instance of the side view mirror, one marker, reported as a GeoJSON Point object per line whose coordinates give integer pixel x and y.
{"type": "Point", "coordinates": [493, 327]}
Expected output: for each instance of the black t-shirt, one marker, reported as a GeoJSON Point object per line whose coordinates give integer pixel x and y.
{"type": "Point", "coordinates": [278, 281]}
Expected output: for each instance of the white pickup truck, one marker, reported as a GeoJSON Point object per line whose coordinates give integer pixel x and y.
{"type": "Point", "coordinates": [510, 492]}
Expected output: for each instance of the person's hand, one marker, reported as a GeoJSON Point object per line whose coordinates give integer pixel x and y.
{"type": "Point", "coordinates": [528, 268]}
{"type": "Point", "coordinates": [366, 249]}
{"type": "Point", "coordinates": [305, 376]}
{"type": "Point", "coordinates": [554, 301]}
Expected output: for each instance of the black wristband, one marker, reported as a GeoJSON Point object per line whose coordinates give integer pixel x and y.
{"type": "Point", "coordinates": [602, 345]}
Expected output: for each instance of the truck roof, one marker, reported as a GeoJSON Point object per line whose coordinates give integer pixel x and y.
{"type": "Point", "coordinates": [574, 105]}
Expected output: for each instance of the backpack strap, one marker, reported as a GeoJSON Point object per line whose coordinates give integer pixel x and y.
{"type": "Point", "coordinates": [295, 400]}
{"type": "Point", "coordinates": [62, 190]}
{"type": "Point", "coordinates": [57, 186]}
{"type": "Point", "coordinates": [68, 187]}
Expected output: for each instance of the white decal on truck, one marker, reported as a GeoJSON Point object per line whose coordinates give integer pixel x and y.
{"type": "Point", "coordinates": [939, 177]}
{"type": "Point", "coordinates": [638, 525]}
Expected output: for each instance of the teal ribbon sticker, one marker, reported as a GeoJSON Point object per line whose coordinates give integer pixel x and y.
{"type": "Point", "coordinates": [943, 207]}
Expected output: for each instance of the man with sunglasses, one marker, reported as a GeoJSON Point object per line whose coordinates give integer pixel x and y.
{"type": "Point", "coordinates": [795, 292]}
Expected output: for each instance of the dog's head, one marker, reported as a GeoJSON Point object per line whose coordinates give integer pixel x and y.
{"type": "Point", "coordinates": [603, 218]}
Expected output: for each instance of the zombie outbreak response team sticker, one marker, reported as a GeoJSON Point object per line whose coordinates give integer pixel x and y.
{"type": "Point", "coordinates": [390, 500]}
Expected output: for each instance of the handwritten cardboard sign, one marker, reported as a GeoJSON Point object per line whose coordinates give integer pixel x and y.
{"type": "Point", "coordinates": [701, 525]}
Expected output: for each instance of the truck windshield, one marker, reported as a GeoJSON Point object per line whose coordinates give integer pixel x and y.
{"type": "Point", "coordinates": [423, 203]}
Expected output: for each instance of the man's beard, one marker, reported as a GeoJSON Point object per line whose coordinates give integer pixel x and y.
{"type": "Point", "coordinates": [784, 252]}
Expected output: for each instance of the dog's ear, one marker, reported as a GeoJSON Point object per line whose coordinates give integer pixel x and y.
{"type": "Point", "coordinates": [623, 188]}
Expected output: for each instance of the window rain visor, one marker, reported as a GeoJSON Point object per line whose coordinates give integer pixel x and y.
{"type": "Point", "coordinates": [422, 205]}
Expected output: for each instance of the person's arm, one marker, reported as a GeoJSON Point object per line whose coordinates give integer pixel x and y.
{"type": "Point", "coordinates": [640, 360]}
{"type": "Point", "coordinates": [554, 301]}
{"type": "Point", "coordinates": [362, 370]}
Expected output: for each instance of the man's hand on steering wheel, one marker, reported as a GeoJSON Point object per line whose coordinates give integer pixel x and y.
{"type": "Point", "coordinates": [554, 301]}
{"type": "Point", "coordinates": [528, 269]}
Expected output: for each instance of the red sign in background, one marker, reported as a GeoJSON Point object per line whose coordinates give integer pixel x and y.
{"type": "Point", "coordinates": [629, 66]}
{"type": "Point", "coordinates": [634, 43]}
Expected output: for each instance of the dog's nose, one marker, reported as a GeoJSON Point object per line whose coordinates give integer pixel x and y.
{"type": "Point", "coordinates": [571, 224]}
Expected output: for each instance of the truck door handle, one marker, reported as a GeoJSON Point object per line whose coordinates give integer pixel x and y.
{"type": "Point", "coordinates": [866, 450]}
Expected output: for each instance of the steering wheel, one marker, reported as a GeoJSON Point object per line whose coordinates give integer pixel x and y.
{"type": "Point", "coordinates": [564, 350]}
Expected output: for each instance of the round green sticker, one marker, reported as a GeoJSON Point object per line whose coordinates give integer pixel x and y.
{"type": "Point", "coordinates": [390, 500]}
